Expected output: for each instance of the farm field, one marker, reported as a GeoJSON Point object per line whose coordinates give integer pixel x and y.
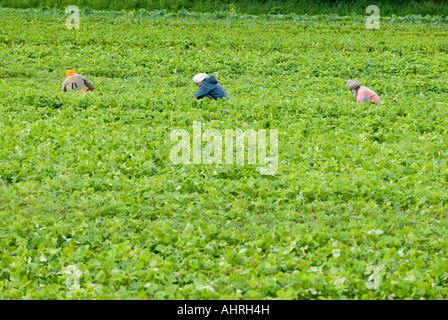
{"type": "Point", "coordinates": [92, 207]}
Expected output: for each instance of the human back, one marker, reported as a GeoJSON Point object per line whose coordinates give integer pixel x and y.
{"type": "Point", "coordinates": [366, 94]}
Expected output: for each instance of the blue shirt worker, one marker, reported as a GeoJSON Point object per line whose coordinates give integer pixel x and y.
{"type": "Point", "coordinates": [208, 87]}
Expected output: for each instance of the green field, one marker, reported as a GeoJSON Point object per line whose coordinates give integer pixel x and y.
{"type": "Point", "coordinates": [357, 207]}
{"type": "Point", "coordinates": [313, 7]}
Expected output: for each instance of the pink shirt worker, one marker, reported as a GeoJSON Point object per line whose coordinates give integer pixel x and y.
{"type": "Point", "coordinates": [362, 94]}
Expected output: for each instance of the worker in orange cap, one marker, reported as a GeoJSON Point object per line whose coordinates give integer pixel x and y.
{"type": "Point", "coordinates": [76, 83]}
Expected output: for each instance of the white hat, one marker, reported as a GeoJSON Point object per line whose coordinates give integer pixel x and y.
{"type": "Point", "coordinates": [199, 77]}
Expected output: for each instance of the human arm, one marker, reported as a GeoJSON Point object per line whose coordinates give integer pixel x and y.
{"type": "Point", "coordinates": [362, 97]}
{"type": "Point", "coordinates": [64, 86]}
{"type": "Point", "coordinates": [375, 99]}
{"type": "Point", "coordinates": [201, 93]}
{"type": "Point", "coordinates": [89, 84]}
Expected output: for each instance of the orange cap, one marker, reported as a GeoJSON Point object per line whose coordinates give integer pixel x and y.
{"type": "Point", "coordinates": [69, 72]}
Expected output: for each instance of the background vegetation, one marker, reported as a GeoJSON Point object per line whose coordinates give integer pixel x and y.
{"type": "Point", "coordinates": [311, 7]}
{"type": "Point", "coordinates": [92, 207]}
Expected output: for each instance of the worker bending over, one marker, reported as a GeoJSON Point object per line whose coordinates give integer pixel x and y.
{"type": "Point", "coordinates": [362, 94]}
{"type": "Point", "coordinates": [208, 87]}
{"type": "Point", "coordinates": [76, 83]}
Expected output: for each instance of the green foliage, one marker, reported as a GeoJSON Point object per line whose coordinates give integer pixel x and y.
{"type": "Point", "coordinates": [311, 7]}
{"type": "Point", "coordinates": [92, 207]}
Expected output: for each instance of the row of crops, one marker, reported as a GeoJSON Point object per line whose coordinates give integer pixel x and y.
{"type": "Point", "coordinates": [92, 207]}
